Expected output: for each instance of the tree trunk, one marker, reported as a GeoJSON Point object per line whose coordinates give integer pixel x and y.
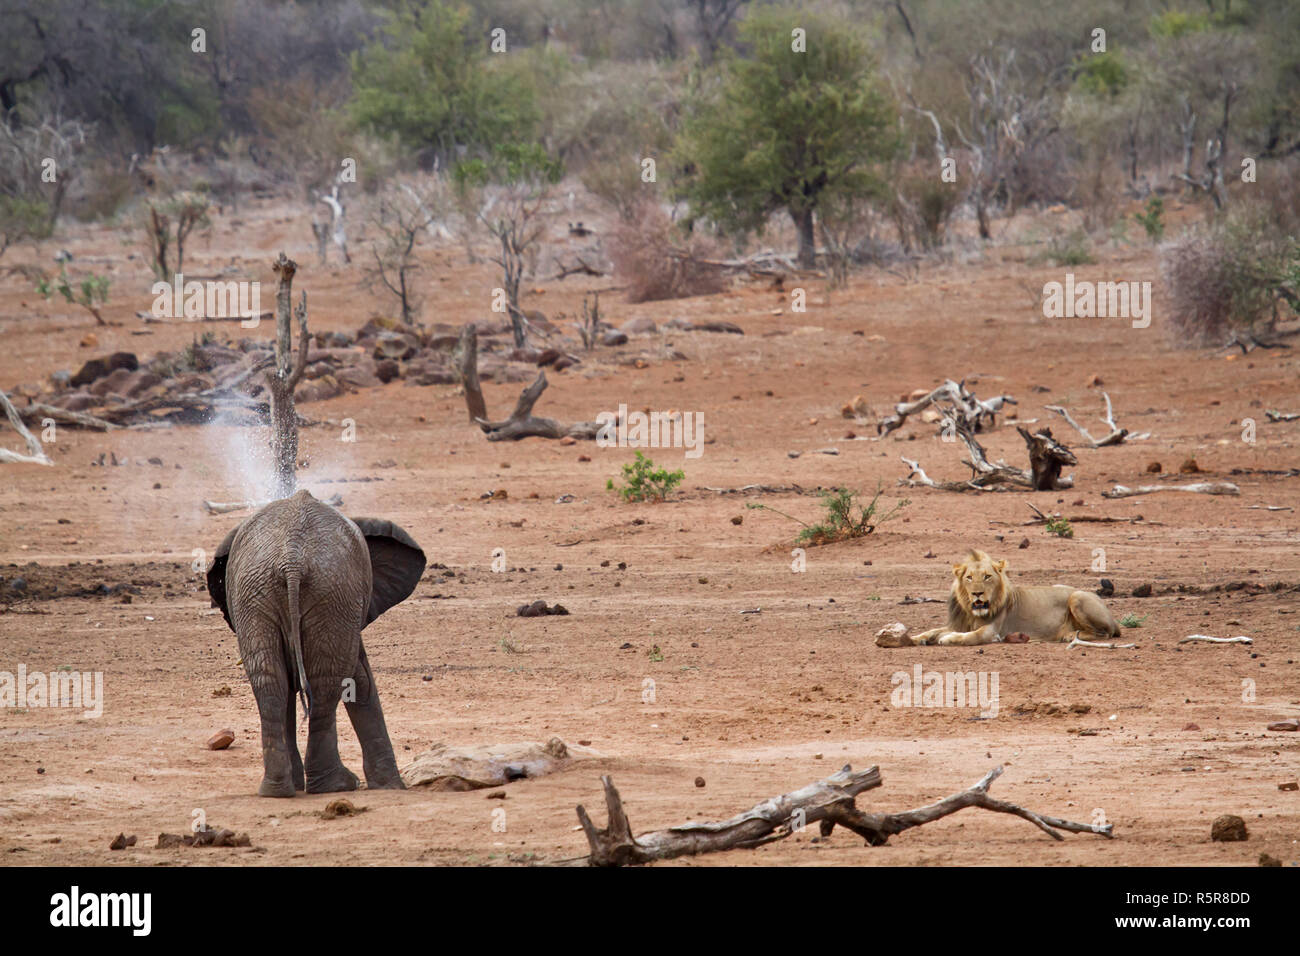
{"type": "Point", "coordinates": [281, 382]}
{"type": "Point", "coordinates": [465, 360]}
{"type": "Point", "coordinates": [803, 220]}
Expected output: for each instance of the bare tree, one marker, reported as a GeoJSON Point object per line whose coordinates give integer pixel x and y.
{"type": "Point", "coordinates": [400, 216]}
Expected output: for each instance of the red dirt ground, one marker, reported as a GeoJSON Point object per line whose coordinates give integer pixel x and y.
{"type": "Point", "coordinates": [757, 704]}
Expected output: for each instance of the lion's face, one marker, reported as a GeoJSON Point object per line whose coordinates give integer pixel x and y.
{"type": "Point", "coordinates": [981, 585]}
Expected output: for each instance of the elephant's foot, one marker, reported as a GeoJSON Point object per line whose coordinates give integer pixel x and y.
{"type": "Point", "coordinates": [273, 787]}
{"type": "Point", "coordinates": [385, 781]}
{"type": "Point", "coordinates": [340, 778]}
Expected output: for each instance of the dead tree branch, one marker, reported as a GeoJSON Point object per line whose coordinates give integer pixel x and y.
{"type": "Point", "coordinates": [829, 802]}
{"type": "Point", "coordinates": [1200, 487]}
{"type": "Point", "coordinates": [37, 454]}
{"type": "Point", "coordinates": [962, 407]}
{"type": "Point", "coordinates": [281, 382]}
{"type": "Point", "coordinates": [1117, 435]}
{"type": "Point", "coordinates": [523, 424]}
{"type": "Point", "coordinates": [1047, 457]}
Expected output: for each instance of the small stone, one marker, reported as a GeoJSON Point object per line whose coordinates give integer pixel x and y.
{"type": "Point", "coordinates": [1291, 724]}
{"type": "Point", "coordinates": [122, 841]}
{"type": "Point", "coordinates": [1192, 727]}
{"type": "Point", "coordinates": [895, 635]}
{"type": "Point", "coordinates": [340, 808]}
{"type": "Point", "coordinates": [584, 743]}
{"type": "Point", "coordinates": [1289, 785]}
{"type": "Point", "coordinates": [568, 440]}
{"type": "Point", "coordinates": [1142, 591]}
{"type": "Point", "coordinates": [1153, 468]}
{"type": "Point", "coordinates": [1229, 828]}
{"type": "Point", "coordinates": [699, 781]}
{"type": "Point", "coordinates": [1266, 860]}
{"type": "Point", "coordinates": [1024, 543]}
{"type": "Point", "coordinates": [738, 519]}
{"type": "Point", "coordinates": [1189, 467]}
{"type": "Point", "coordinates": [1105, 587]}
{"type": "Point", "coordinates": [222, 691]}
{"type": "Point", "coordinates": [221, 739]}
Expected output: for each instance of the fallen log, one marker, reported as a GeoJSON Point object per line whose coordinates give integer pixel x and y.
{"type": "Point", "coordinates": [828, 802]}
{"type": "Point", "coordinates": [523, 424]}
{"type": "Point", "coordinates": [37, 412]}
{"type": "Point", "coordinates": [1200, 487]}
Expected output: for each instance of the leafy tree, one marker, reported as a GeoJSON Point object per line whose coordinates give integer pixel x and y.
{"type": "Point", "coordinates": [786, 128]}
{"type": "Point", "coordinates": [431, 80]}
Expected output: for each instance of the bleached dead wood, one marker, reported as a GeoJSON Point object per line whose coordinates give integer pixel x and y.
{"type": "Point", "coordinates": [1273, 415]}
{"type": "Point", "coordinates": [36, 451]}
{"type": "Point", "coordinates": [1108, 645]}
{"type": "Point", "coordinates": [338, 231]}
{"type": "Point", "coordinates": [828, 802]}
{"type": "Point", "coordinates": [1117, 435]}
{"type": "Point", "coordinates": [962, 407]}
{"type": "Point", "coordinates": [1047, 456]}
{"type": "Point", "coordinates": [37, 412]}
{"type": "Point", "coordinates": [1199, 488]}
{"type": "Point", "coordinates": [1207, 639]}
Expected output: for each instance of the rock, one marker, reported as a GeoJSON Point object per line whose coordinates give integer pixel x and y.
{"type": "Point", "coordinates": [1229, 828]}
{"type": "Point", "coordinates": [122, 841]}
{"type": "Point", "coordinates": [139, 382]}
{"type": "Point", "coordinates": [614, 337]}
{"type": "Point", "coordinates": [1266, 860]}
{"type": "Point", "coordinates": [858, 408]}
{"type": "Point", "coordinates": [76, 401]}
{"type": "Point", "coordinates": [792, 454]}
{"type": "Point", "coordinates": [548, 357]}
{"type": "Point", "coordinates": [1105, 587]}
{"type": "Point", "coordinates": [327, 386]}
{"type": "Point", "coordinates": [113, 383]}
{"type": "Point", "coordinates": [1189, 467]}
{"type": "Point", "coordinates": [1153, 468]}
{"type": "Point", "coordinates": [361, 376]}
{"type": "Point", "coordinates": [221, 739]}
{"type": "Point", "coordinates": [1289, 785]}
{"type": "Point", "coordinates": [699, 781]}
{"type": "Point", "coordinates": [1192, 727]}
{"type": "Point", "coordinates": [523, 355]}
{"type": "Point", "coordinates": [730, 328]}
{"type": "Point", "coordinates": [539, 609]}
{"type": "Point", "coordinates": [1024, 543]}
{"type": "Point", "coordinates": [563, 362]}
{"type": "Point", "coordinates": [568, 440]}
{"type": "Point", "coordinates": [222, 691]}
{"type": "Point", "coordinates": [1095, 382]}
{"type": "Point", "coordinates": [90, 341]}
{"type": "Point", "coordinates": [455, 769]}
{"type": "Point", "coordinates": [894, 635]}
{"type": "Point", "coordinates": [395, 345]}
{"type": "Point", "coordinates": [1142, 591]}
{"type": "Point", "coordinates": [387, 369]}
{"type": "Point", "coordinates": [738, 519]}
{"type": "Point", "coordinates": [338, 340]}
{"type": "Point", "coordinates": [97, 368]}
{"type": "Point", "coordinates": [1283, 725]}
{"type": "Point", "coordinates": [641, 325]}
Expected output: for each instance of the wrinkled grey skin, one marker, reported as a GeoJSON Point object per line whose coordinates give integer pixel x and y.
{"type": "Point", "coordinates": [297, 582]}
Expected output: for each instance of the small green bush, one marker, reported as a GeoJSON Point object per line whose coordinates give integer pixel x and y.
{"type": "Point", "coordinates": [645, 482]}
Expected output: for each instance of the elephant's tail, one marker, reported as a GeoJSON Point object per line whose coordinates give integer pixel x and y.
{"type": "Point", "coordinates": [295, 640]}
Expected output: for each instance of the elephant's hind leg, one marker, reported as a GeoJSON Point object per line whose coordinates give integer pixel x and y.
{"type": "Point", "coordinates": [325, 771]}
{"type": "Point", "coordinates": [259, 645]}
{"type": "Point", "coordinates": [291, 742]}
{"type": "Point", "coordinates": [368, 721]}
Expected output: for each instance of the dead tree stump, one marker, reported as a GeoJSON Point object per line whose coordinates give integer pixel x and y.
{"type": "Point", "coordinates": [281, 381]}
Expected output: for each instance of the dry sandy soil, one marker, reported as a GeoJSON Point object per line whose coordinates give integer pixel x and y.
{"type": "Point", "coordinates": [756, 704]}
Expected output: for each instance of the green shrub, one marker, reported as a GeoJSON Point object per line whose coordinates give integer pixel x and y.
{"type": "Point", "coordinates": [1152, 220]}
{"type": "Point", "coordinates": [645, 482]}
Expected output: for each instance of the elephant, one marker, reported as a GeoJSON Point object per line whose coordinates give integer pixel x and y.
{"type": "Point", "coordinates": [298, 582]}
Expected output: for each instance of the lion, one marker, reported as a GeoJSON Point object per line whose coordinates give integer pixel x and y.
{"type": "Point", "coordinates": [986, 608]}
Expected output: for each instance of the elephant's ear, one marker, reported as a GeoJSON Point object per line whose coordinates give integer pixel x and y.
{"type": "Point", "coordinates": [217, 576]}
{"type": "Point", "coordinates": [396, 563]}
